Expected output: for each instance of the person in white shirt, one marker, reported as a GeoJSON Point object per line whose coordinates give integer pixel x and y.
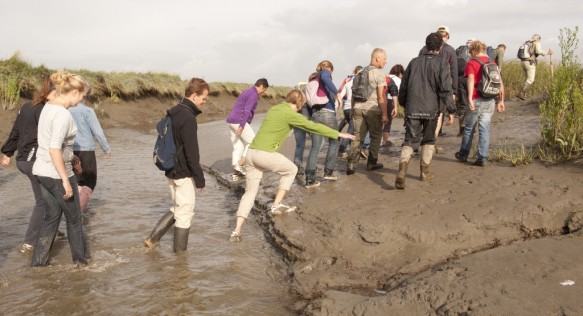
{"type": "Point", "coordinates": [54, 170]}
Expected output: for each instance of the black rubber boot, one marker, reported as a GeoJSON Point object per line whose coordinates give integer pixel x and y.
{"type": "Point", "coordinates": [160, 229]}
{"type": "Point", "coordinates": [181, 239]}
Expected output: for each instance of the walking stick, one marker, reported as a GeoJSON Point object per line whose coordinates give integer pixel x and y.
{"type": "Point", "coordinates": [551, 63]}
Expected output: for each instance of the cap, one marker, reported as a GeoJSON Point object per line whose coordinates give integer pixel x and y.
{"type": "Point", "coordinates": [470, 40]}
{"type": "Point", "coordinates": [443, 28]}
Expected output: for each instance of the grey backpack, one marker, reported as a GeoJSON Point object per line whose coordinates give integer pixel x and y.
{"type": "Point", "coordinates": [361, 88]}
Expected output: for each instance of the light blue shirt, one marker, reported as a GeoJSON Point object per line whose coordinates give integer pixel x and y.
{"type": "Point", "coordinates": [88, 127]}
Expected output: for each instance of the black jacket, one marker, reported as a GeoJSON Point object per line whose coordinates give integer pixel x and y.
{"type": "Point", "coordinates": [185, 128]}
{"type": "Point", "coordinates": [23, 136]}
{"type": "Point", "coordinates": [426, 87]}
{"type": "Point", "coordinates": [447, 52]}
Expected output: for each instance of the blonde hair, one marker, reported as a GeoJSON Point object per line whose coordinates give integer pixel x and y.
{"type": "Point", "coordinates": [296, 97]}
{"type": "Point", "coordinates": [325, 64]}
{"type": "Point", "coordinates": [66, 82]}
{"type": "Point", "coordinates": [477, 47]}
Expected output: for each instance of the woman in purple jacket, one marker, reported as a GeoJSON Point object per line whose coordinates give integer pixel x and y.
{"type": "Point", "coordinates": [239, 121]}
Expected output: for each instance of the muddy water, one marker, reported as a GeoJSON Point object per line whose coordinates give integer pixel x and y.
{"type": "Point", "coordinates": [215, 277]}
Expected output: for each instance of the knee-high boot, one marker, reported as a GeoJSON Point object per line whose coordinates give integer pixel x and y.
{"type": "Point", "coordinates": [426, 155]}
{"type": "Point", "coordinates": [181, 239]}
{"type": "Point", "coordinates": [160, 229]}
{"type": "Point", "coordinates": [406, 153]}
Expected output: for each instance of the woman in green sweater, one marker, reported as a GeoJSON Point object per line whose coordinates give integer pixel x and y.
{"type": "Point", "coordinates": [263, 154]}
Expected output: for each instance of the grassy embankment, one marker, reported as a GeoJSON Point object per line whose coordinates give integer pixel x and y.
{"type": "Point", "coordinates": [19, 79]}
{"type": "Point", "coordinates": [561, 110]}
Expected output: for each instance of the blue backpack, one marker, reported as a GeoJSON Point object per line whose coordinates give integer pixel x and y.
{"type": "Point", "coordinates": [165, 148]}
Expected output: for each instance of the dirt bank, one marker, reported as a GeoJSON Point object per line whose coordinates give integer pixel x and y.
{"type": "Point", "coordinates": [497, 240]}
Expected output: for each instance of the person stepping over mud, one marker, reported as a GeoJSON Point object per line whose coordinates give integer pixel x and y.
{"type": "Point", "coordinates": [425, 85]}
{"type": "Point", "coordinates": [187, 176]}
{"type": "Point", "coordinates": [239, 121]}
{"type": "Point", "coordinates": [263, 154]}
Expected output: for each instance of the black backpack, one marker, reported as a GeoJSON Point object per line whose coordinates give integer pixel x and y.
{"type": "Point", "coordinates": [361, 88]}
{"type": "Point", "coordinates": [463, 52]}
{"type": "Point", "coordinates": [165, 148]}
{"type": "Point", "coordinates": [490, 81]}
{"type": "Point", "coordinates": [525, 51]}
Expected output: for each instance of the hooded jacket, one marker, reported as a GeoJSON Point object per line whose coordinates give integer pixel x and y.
{"type": "Point", "coordinates": [185, 130]}
{"type": "Point", "coordinates": [426, 87]}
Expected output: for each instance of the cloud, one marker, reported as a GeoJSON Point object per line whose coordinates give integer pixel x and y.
{"type": "Point", "coordinates": [240, 41]}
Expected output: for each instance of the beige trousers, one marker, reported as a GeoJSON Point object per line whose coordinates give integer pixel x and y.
{"type": "Point", "coordinates": [183, 197]}
{"type": "Point", "coordinates": [257, 162]}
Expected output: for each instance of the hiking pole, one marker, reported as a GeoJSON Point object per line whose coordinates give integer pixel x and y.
{"type": "Point", "coordinates": [551, 63]}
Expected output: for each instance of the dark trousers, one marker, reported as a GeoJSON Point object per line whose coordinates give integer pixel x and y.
{"type": "Point", "coordinates": [38, 212]}
{"type": "Point", "coordinates": [419, 132]}
{"type": "Point", "coordinates": [88, 177]}
{"type": "Point", "coordinates": [53, 192]}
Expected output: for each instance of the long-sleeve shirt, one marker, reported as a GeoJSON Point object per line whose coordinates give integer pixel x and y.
{"type": "Point", "coordinates": [448, 53]}
{"type": "Point", "coordinates": [87, 127]}
{"type": "Point", "coordinates": [244, 108]}
{"type": "Point", "coordinates": [278, 123]}
{"type": "Point", "coordinates": [23, 136]}
{"type": "Point", "coordinates": [331, 90]}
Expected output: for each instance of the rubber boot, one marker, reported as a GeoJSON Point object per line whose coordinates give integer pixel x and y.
{"type": "Point", "coordinates": [84, 197]}
{"type": "Point", "coordinates": [372, 164]}
{"type": "Point", "coordinates": [522, 94]}
{"type": "Point", "coordinates": [181, 239]}
{"type": "Point", "coordinates": [160, 229]}
{"type": "Point", "coordinates": [426, 155]}
{"type": "Point", "coordinates": [406, 153]}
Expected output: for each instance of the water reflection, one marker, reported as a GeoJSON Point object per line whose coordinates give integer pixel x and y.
{"type": "Point", "coordinates": [213, 277]}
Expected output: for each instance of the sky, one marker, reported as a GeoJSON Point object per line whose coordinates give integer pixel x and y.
{"type": "Point", "coordinates": [283, 41]}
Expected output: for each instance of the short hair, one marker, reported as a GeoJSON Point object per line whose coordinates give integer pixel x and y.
{"type": "Point", "coordinates": [477, 47]}
{"type": "Point", "coordinates": [296, 97]}
{"type": "Point", "coordinates": [196, 85]}
{"type": "Point", "coordinates": [376, 52]}
{"type": "Point", "coordinates": [66, 82]}
{"type": "Point", "coordinates": [262, 82]}
{"type": "Point", "coordinates": [325, 64]}
{"type": "Point", "coordinates": [501, 46]}
{"type": "Point", "coordinates": [397, 70]}
{"type": "Point", "coordinates": [536, 37]}
{"type": "Point", "coordinates": [433, 42]}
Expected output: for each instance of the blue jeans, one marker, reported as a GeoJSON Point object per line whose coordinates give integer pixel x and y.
{"type": "Point", "coordinates": [53, 191]}
{"type": "Point", "coordinates": [300, 136]}
{"type": "Point", "coordinates": [481, 116]}
{"type": "Point", "coordinates": [345, 142]}
{"type": "Point", "coordinates": [327, 118]}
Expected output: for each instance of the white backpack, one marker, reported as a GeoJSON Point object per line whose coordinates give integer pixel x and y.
{"type": "Point", "coordinates": [315, 93]}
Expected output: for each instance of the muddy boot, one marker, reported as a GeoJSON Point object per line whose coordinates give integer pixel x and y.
{"type": "Point", "coordinates": [160, 229]}
{"type": "Point", "coordinates": [372, 164]}
{"type": "Point", "coordinates": [181, 239]}
{"type": "Point", "coordinates": [400, 181]}
{"type": "Point", "coordinates": [426, 155]}
{"type": "Point", "coordinates": [522, 94]}
{"type": "Point", "coordinates": [406, 153]}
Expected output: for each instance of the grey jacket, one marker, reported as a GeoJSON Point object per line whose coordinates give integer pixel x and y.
{"type": "Point", "coordinates": [426, 87]}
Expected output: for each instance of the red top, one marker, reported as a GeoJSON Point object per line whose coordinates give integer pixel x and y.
{"type": "Point", "coordinates": [473, 67]}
